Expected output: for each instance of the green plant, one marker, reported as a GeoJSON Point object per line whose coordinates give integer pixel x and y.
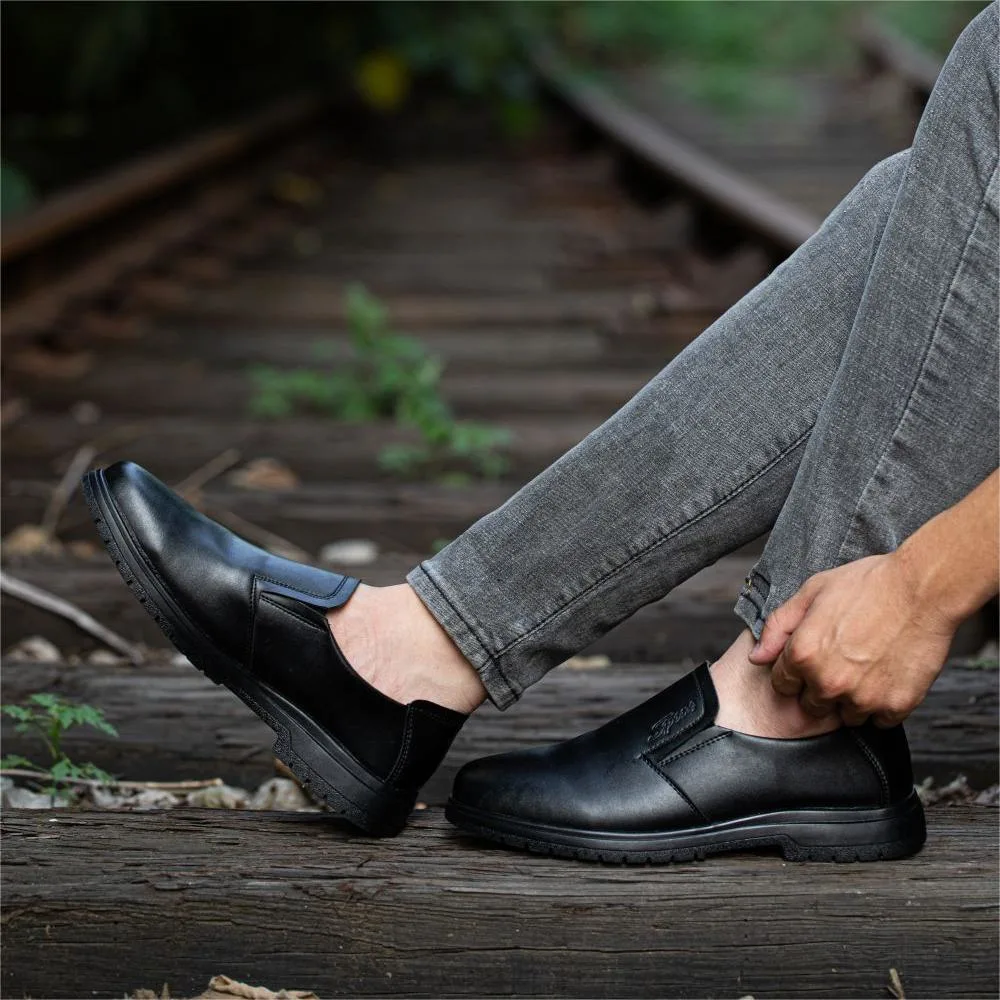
{"type": "Point", "coordinates": [389, 377]}
{"type": "Point", "coordinates": [50, 716]}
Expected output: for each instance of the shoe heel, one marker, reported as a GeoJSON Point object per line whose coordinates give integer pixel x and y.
{"type": "Point", "coordinates": [878, 835]}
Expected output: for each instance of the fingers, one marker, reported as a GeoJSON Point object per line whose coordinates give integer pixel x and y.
{"type": "Point", "coordinates": [782, 622]}
{"type": "Point", "coordinates": [785, 677]}
{"type": "Point", "coordinates": [816, 705]}
{"type": "Point", "coordinates": [852, 715]}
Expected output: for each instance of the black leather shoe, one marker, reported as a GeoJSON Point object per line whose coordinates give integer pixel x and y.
{"type": "Point", "coordinates": [664, 783]}
{"type": "Point", "coordinates": [256, 623]}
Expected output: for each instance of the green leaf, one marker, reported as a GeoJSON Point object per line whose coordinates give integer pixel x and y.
{"type": "Point", "coordinates": [18, 712]}
{"type": "Point", "coordinates": [14, 760]}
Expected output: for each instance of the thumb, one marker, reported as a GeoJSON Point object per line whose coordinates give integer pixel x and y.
{"type": "Point", "coordinates": [780, 624]}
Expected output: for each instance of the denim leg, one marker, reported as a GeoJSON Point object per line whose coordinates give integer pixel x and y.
{"type": "Point", "coordinates": [910, 424]}
{"type": "Point", "coordinates": [696, 464]}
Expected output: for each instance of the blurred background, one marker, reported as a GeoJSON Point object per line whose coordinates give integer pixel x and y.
{"type": "Point", "coordinates": [348, 275]}
{"type": "Point", "coordinates": [87, 84]}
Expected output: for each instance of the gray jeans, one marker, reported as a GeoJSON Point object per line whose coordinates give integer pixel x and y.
{"type": "Point", "coordinates": [847, 399]}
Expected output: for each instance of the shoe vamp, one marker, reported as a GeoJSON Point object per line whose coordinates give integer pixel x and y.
{"type": "Point", "coordinates": [584, 787]}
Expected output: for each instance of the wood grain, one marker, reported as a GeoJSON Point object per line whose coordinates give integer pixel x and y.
{"type": "Point", "coordinates": [101, 904]}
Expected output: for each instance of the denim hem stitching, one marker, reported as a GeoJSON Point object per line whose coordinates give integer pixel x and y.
{"type": "Point", "coordinates": [660, 541]}
{"type": "Point", "coordinates": [490, 659]}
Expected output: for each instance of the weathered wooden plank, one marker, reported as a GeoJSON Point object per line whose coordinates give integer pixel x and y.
{"type": "Point", "coordinates": [101, 904]}
{"type": "Point", "coordinates": [268, 298]}
{"type": "Point", "coordinates": [175, 724]}
{"type": "Point", "coordinates": [154, 388]}
{"type": "Point", "coordinates": [317, 449]}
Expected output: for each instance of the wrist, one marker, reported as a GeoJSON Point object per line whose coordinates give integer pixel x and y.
{"type": "Point", "coordinates": [937, 592]}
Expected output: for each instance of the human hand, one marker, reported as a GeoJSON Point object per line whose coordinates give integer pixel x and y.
{"type": "Point", "coordinates": [858, 640]}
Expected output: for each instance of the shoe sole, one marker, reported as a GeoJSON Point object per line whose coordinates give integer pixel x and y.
{"type": "Point", "coordinates": [895, 831]}
{"type": "Point", "coordinates": [323, 766]}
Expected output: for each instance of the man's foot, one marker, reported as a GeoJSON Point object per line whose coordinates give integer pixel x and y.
{"type": "Point", "coordinates": [257, 624]}
{"type": "Point", "coordinates": [665, 782]}
{"type": "Point", "coordinates": [748, 703]}
{"type": "Point", "coordinates": [396, 644]}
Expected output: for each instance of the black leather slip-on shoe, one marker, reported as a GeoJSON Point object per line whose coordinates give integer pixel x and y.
{"type": "Point", "coordinates": [257, 624]}
{"type": "Point", "coordinates": [664, 783]}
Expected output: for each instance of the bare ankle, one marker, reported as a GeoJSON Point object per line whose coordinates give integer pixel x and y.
{"type": "Point", "coordinates": [392, 640]}
{"type": "Point", "coordinates": [748, 703]}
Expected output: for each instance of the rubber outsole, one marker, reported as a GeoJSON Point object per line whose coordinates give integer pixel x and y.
{"type": "Point", "coordinates": [843, 835]}
{"type": "Point", "coordinates": [321, 764]}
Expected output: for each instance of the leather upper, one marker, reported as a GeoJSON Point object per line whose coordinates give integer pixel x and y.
{"type": "Point", "coordinates": [268, 614]}
{"type": "Point", "coordinates": [666, 765]}
{"type": "Point", "coordinates": [214, 574]}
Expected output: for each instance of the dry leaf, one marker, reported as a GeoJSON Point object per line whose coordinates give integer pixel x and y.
{"type": "Point", "coordinates": [895, 986]}
{"type": "Point", "coordinates": [35, 649]}
{"type": "Point", "coordinates": [281, 794]}
{"type": "Point", "coordinates": [30, 540]}
{"type": "Point", "coordinates": [264, 474]}
{"type": "Point", "coordinates": [82, 549]}
{"type": "Point", "coordinates": [223, 988]}
{"type": "Point", "coordinates": [597, 662]}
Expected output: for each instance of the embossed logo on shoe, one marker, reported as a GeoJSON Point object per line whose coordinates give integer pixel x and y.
{"type": "Point", "coordinates": [663, 729]}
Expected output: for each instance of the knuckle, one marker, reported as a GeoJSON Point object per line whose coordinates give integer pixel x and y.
{"type": "Point", "coordinates": [800, 650]}
{"type": "Point", "coordinates": [829, 687]}
{"type": "Point", "coordinates": [897, 706]}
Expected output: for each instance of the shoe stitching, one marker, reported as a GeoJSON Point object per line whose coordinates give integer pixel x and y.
{"type": "Point", "coordinates": [252, 637]}
{"type": "Point", "coordinates": [699, 746]}
{"type": "Point", "coordinates": [404, 750]}
{"type": "Point", "coordinates": [677, 788]}
{"type": "Point", "coordinates": [659, 541]}
{"type": "Point", "coordinates": [876, 765]}
{"type": "Point", "coordinates": [294, 614]}
{"type": "Point", "coordinates": [254, 604]}
{"type": "Point", "coordinates": [430, 712]}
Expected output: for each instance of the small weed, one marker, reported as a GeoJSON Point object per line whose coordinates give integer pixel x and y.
{"type": "Point", "coordinates": [389, 377]}
{"type": "Point", "coordinates": [50, 716]}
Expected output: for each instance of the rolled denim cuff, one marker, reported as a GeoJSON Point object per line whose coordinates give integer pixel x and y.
{"type": "Point", "coordinates": [446, 608]}
{"type": "Point", "coordinates": [751, 605]}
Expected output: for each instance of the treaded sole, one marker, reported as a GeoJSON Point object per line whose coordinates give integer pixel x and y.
{"type": "Point", "coordinates": [380, 816]}
{"type": "Point", "coordinates": [550, 842]}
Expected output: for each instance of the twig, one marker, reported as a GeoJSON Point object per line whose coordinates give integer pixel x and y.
{"type": "Point", "coordinates": [31, 594]}
{"type": "Point", "coordinates": [157, 786]}
{"type": "Point", "coordinates": [208, 472]}
{"type": "Point", "coordinates": [261, 536]}
{"type": "Point", "coordinates": [67, 485]}
{"type": "Point", "coordinates": [895, 986]}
